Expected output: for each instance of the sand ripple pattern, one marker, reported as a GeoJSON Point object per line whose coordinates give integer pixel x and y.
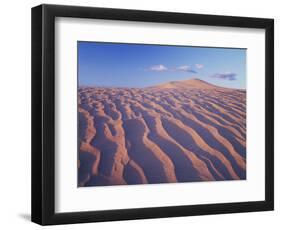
{"type": "Point", "coordinates": [160, 135]}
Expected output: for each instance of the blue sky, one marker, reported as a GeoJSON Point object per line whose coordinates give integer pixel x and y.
{"type": "Point", "coordinates": [139, 65]}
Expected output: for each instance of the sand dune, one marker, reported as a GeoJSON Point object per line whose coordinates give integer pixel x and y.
{"type": "Point", "coordinates": [185, 131]}
{"type": "Point", "coordinates": [187, 84]}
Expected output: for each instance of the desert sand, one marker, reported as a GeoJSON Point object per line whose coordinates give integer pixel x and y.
{"type": "Point", "coordinates": [180, 131]}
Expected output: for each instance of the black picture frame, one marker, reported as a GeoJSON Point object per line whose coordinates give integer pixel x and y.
{"type": "Point", "coordinates": [43, 114]}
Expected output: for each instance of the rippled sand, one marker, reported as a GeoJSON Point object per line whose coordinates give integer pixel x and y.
{"type": "Point", "coordinates": [174, 132]}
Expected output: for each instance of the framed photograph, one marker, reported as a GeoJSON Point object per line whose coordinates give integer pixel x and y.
{"type": "Point", "coordinates": [142, 114]}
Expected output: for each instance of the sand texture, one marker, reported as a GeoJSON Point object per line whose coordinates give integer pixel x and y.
{"type": "Point", "coordinates": [182, 131]}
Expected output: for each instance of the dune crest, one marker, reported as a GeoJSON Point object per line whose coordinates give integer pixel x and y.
{"type": "Point", "coordinates": [180, 131]}
{"type": "Point", "coordinates": [187, 84]}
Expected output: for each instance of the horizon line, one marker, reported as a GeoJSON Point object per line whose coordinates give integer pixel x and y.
{"type": "Point", "coordinates": [130, 87]}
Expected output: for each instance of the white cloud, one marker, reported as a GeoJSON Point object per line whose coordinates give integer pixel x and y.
{"type": "Point", "coordinates": [226, 76]}
{"type": "Point", "coordinates": [162, 68]}
{"type": "Point", "coordinates": [183, 68]}
{"type": "Point", "coordinates": [199, 66]}
{"type": "Point", "coordinates": [158, 68]}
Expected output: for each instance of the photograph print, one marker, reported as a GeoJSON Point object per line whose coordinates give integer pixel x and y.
{"type": "Point", "coordinates": [150, 114]}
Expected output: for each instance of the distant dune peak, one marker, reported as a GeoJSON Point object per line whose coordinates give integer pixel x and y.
{"type": "Point", "coordinates": [188, 84]}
